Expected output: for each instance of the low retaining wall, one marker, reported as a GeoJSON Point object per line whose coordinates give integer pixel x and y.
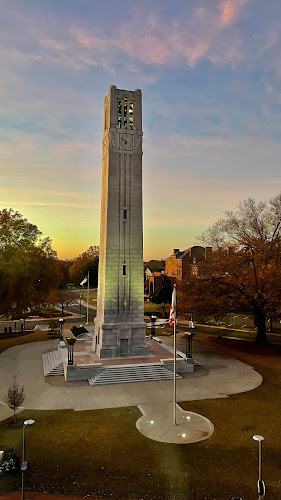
{"type": "Point", "coordinates": [81, 372]}
{"type": "Point", "coordinates": [182, 366]}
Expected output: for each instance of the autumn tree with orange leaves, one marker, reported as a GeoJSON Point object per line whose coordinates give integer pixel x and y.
{"type": "Point", "coordinates": [85, 262]}
{"type": "Point", "coordinates": [245, 273]}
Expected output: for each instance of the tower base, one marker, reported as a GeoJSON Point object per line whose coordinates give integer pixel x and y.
{"type": "Point", "coordinates": [114, 340]}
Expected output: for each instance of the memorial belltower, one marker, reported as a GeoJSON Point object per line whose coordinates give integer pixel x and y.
{"type": "Point", "coordinates": [119, 325]}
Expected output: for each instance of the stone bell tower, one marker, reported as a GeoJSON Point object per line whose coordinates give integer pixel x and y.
{"type": "Point", "coordinates": [119, 325]}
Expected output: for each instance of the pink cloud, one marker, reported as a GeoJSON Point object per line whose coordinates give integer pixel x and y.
{"type": "Point", "coordinates": [230, 10]}
{"type": "Point", "coordinates": [52, 44]}
{"type": "Point", "coordinates": [154, 41]}
{"type": "Point", "coordinates": [90, 41]}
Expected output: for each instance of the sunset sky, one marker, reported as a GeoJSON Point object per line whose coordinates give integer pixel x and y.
{"type": "Point", "coordinates": [210, 74]}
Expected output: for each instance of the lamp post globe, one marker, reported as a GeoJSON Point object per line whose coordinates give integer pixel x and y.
{"type": "Point", "coordinates": [261, 485]}
{"type": "Point", "coordinates": [30, 421]}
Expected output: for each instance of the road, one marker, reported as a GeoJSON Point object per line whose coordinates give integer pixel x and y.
{"type": "Point", "coordinates": [76, 309]}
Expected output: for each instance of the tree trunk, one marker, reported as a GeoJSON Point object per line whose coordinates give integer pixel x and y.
{"type": "Point", "coordinates": [15, 420]}
{"type": "Point", "coordinates": [260, 324]}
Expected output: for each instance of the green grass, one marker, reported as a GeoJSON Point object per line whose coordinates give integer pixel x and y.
{"type": "Point", "coordinates": [92, 295]}
{"type": "Point", "coordinates": [151, 307]}
{"type": "Point", "coordinates": [101, 452]}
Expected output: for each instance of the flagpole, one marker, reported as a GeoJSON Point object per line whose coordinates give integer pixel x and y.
{"type": "Point", "coordinates": [88, 289]}
{"type": "Point", "coordinates": [175, 355]}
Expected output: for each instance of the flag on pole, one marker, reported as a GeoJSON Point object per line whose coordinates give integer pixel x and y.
{"type": "Point", "coordinates": [172, 308]}
{"type": "Point", "coordinates": [84, 281]}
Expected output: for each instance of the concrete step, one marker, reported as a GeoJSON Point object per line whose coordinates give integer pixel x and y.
{"type": "Point", "coordinates": [132, 373]}
{"type": "Point", "coordinates": [52, 363]}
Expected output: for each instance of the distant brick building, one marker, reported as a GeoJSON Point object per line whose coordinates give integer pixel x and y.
{"type": "Point", "coordinates": [152, 276]}
{"type": "Point", "coordinates": [187, 263]}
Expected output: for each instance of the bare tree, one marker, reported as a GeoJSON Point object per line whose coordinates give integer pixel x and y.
{"type": "Point", "coordinates": [15, 396]}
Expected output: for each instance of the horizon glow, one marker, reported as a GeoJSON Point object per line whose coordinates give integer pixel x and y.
{"type": "Point", "coordinates": [210, 76]}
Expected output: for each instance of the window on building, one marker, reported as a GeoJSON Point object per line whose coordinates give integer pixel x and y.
{"type": "Point", "coordinates": [125, 214]}
{"type": "Point", "coordinates": [194, 270]}
{"type": "Point", "coordinates": [131, 115]}
{"type": "Point", "coordinates": [125, 112]}
{"type": "Point", "coordinates": [119, 114]}
{"type": "Point", "coordinates": [124, 269]}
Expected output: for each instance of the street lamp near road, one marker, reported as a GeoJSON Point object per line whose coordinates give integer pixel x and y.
{"type": "Point", "coordinates": [24, 463]}
{"type": "Point", "coordinates": [261, 485]}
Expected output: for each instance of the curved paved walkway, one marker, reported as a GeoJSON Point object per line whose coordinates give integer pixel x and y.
{"type": "Point", "coordinates": [218, 377]}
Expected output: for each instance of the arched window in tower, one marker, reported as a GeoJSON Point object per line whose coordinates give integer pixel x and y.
{"type": "Point", "coordinates": [125, 112]}
{"type": "Point", "coordinates": [131, 115]}
{"type": "Point", "coordinates": [119, 114]}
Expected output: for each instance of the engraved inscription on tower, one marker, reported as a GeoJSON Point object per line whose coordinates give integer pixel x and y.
{"type": "Point", "coordinates": [119, 325]}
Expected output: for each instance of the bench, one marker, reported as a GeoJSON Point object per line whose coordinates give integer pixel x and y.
{"type": "Point", "coordinates": [171, 360]}
{"type": "Point", "coordinates": [157, 340]}
{"type": "Point", "coordinates": [42, 328]}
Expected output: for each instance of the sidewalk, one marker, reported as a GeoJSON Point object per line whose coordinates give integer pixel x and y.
{"type": "Point", "coordinates": [219, 376]}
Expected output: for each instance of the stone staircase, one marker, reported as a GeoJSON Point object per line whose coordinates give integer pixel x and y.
{"type": "Point", "coordinates": [52, 363]}
{"type": "Point", "coordinates": [132, 373]}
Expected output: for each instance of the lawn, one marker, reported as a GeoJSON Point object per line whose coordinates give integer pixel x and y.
{"type": "Point", "coordinates": [151, 307]}
{"type": "Point", "coordinates": [92, 295]}
{"type": "Point", "coordinates": [101, 452]}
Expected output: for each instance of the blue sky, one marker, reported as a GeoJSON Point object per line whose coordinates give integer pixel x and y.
{"type": "Point", "coordinates": [210, 73]}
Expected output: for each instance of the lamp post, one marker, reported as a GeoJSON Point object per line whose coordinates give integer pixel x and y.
{"type": "Point", "coordinates": [24, 463]}
{"type": "Point", "coordinates": [70, 349]}
{"type": "Point", "coordinates": [80, 299]}
{"type": "Point", "coordinates": [61, 323]}
{"type": "Point", "coordinates": [188, 337]}
{"type": "Point", "coordinates": [261, 485]}
{"type": "Point", "coordinates": [23, 324]}
{"type": "Point", "coordinates": [153, 320]}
